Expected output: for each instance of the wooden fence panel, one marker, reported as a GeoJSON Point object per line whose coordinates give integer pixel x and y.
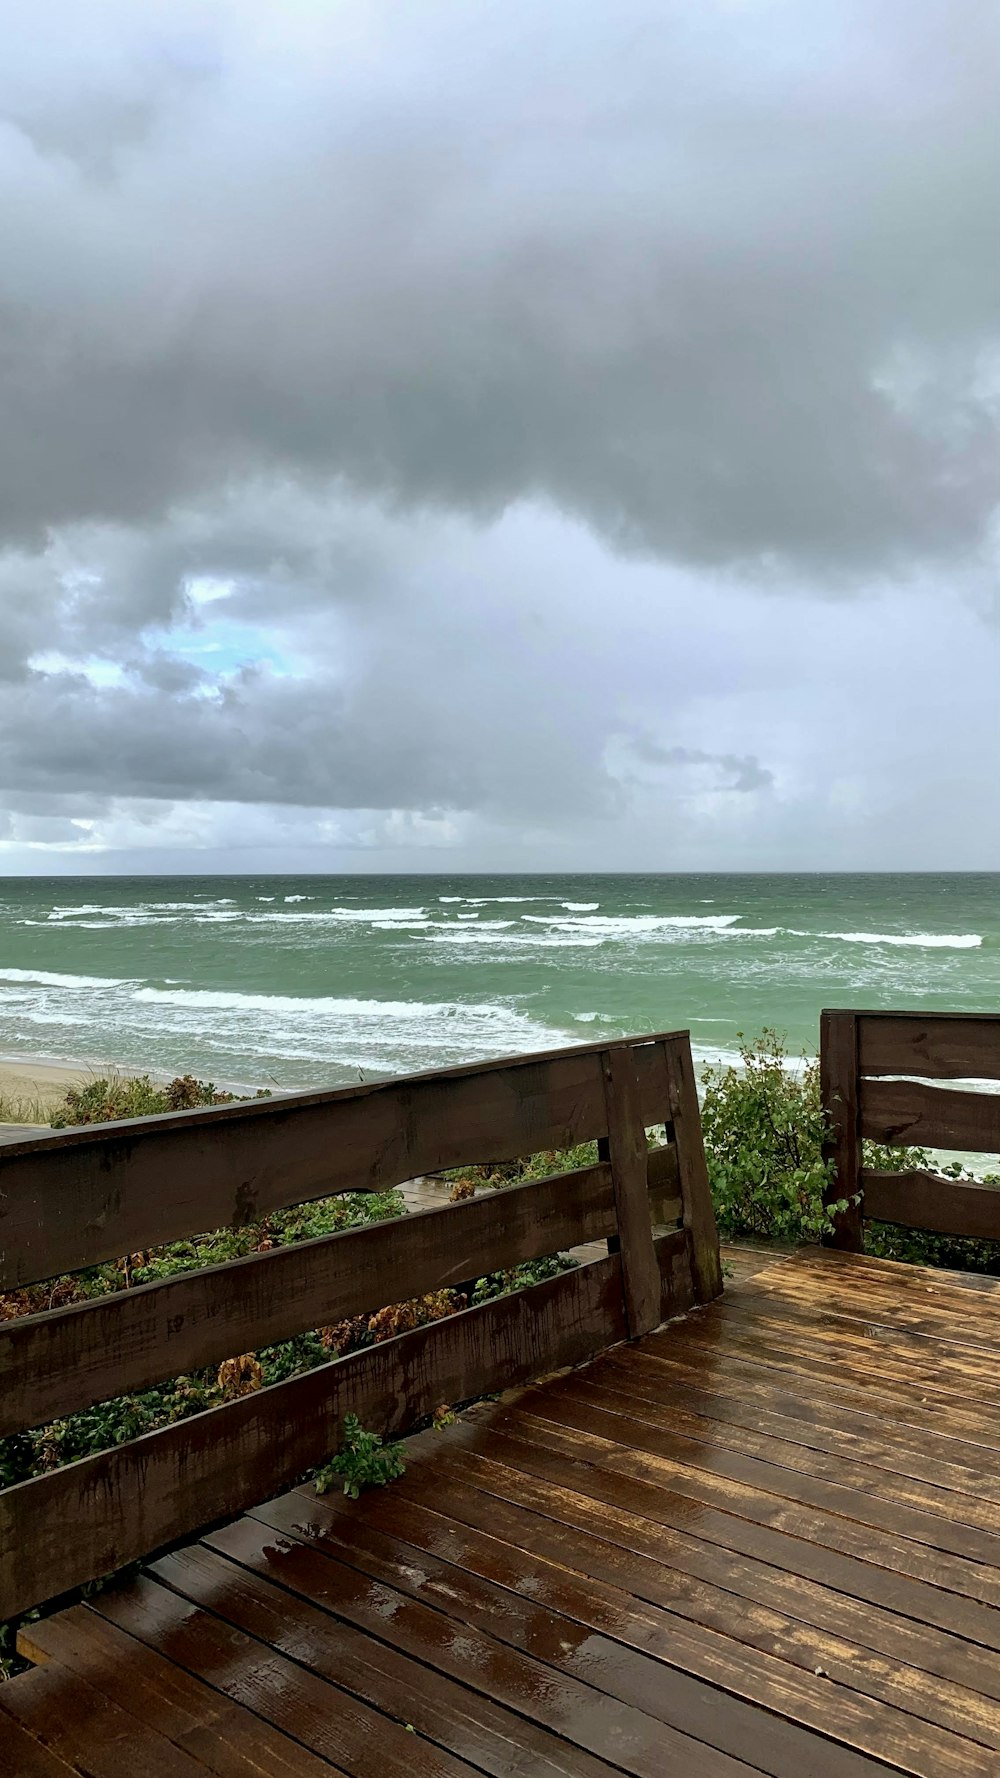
{"type": "Point", "coordinates": [77, 1198]}
{"type": "Point", "coordinates": [921, 1200]}
{"type": "Point", "coordinates": [944, 1048]}
{"type": "Point", "coordinates": [839, 1092]}
{"type": "Point", "coordinates": [905, 1112]}
{"type": "Point", "coordinates": [66, 1359]}
{"type": "Point", "coordinates": [60, 1530]}
{"type": "Point", "coordinates": [699, 1212]}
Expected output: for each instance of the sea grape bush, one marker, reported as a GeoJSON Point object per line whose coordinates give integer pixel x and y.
{"type": "Point", "coordinates": [764, 1125]}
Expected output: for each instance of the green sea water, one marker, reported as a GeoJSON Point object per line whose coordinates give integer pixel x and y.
{"type": "Point", "coordinates": [309, 981]}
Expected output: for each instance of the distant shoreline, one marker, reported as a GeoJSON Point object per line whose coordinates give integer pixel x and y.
{"type": "Point", "coordinates": [28, 1083]}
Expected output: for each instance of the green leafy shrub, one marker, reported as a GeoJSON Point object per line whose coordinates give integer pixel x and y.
{"type": "Point", "coordinates": [763, 1126]}
{"type": "Point", "coordinates": [363, 1461]}
{"type": "Point", "coordinates": [114, 1096]}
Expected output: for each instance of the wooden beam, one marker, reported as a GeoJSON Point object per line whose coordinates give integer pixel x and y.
{"type": "Point", "coordinates": [628, 1152]}
{"type": "Point", "coordinates": [62, 1529]}
{"type": "Point", "coordinates": [920, 1200]}
{"type": "Point", "coordinates": [838, 1063]}
{"type": "Point", "coordinates": [905, 1112]}
{"type": "Point", "coordinates": [955, 1046]}
{"type": "Point", "coordinates": [76, 1198]}
{"type": "Point", "coordinates": [66, 1359]}
{"type": "Point", "coordinates": [699, 1212]}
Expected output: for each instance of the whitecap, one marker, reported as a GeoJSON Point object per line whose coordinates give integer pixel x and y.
{"type": "Point", "coordinates": [581, 907]}
{"type": "Point", "coordinates": [946, 941]}
{"type": "Point", "coordinates": [42, 978]}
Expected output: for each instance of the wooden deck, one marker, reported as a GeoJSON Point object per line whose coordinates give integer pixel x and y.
{"type": "Point", "coordinates": [765, 1538]}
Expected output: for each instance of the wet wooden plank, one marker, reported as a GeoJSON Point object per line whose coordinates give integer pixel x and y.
{"type": "Point", "coordinates": [588, 1718]}
{"type": "Point", "coordinates": [798, 1420]}
{"type": "Point", "coordinates": [922, 1200]}
{"type": "Point", "coordinates": [309, 1707]}
{"type": "Point", "coordinates": [91, 1732]}
{"type": "Point", "coordinates": [74, 1198]}
{"type": "Point", "coordinates": [379, 1589]}
{"type": "Point", "coordinates": [21, 1756]}
{"type": "Point", "coordinates": [906, 1277]}
{"type": "Point", "coordinates": [897, 1399]}
{"type": "Point", "coordinates": [838, 1063]}
{"type": "Point", "coordinates": [669, 1408]}
{"type": "Point", "coordinates": [752, 1600]}
{"type": "Point", "coordinates": [904, 1112]}
{"type": "Point", "coordinates": [441, 1711]}
{"type": "Point", "coordinates": [835, 1592]}
{"type": "Point", "coordinates": [956, 1046]}
{"type": "Point", "coordinates": [149, 1492]}
{"type": "Point", "coordinates": [956, 1374]}
{"type": "Point", "coordinates": [231, 1740]}
{"type": "Point", "coordinates": [930, 1314]}
{"type": "Point", "coordinates": [554, 1456]}
{"type": "Point", "coordinates": [64, 1360]}
{"type": "Point", "coordinates": [411, 1538]}
{"type": "Point", "coordinates": [628, 1155]}
{"type": "Point", "coordinates": [962, 1557]}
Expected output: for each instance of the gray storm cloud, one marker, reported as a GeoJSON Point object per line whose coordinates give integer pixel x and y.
{"type": "Point", "coordinates": [721, 280]}
{"type": "Point", "coordinates": [326, 305]}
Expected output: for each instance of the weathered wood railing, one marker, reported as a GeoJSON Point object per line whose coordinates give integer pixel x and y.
{"type": "Point", "coordinates": [77, 1198]}
{"type": "Point", "coordinates": [878, 1072]}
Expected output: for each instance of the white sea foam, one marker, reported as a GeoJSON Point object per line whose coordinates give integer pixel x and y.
{"type": "Point", "coordinates": [300, 897]}
{"type": "Point", "coordinates": [581, 907]}
{"type": "Point", "coordinates": [41, 978]}
{"type": "Point", "coordinates": [451, 898]}
{"type": "Point", "coordinates": [943, 941]}
{"type": "Point", "coordinates": [480, 901]}
{"type": "Point", "coordinates": [634, 925]}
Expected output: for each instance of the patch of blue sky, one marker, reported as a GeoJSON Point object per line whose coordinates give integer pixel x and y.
{"type": "Point", "coordinates": [220, 646]}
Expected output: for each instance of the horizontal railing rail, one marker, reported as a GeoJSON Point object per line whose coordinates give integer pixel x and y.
{"type": "Point", "coordinates": [880, 1080]}
{"type": "Point", "coordinates": [141, 1183]}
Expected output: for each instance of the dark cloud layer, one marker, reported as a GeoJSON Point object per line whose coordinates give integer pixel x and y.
{"type": "Point", "coordinates": [313, 319]}
{"type": "Point", "coordinates": [718, 279]}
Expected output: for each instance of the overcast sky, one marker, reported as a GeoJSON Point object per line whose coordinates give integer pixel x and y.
{"type": "Point", "coordinates": [473, 436]}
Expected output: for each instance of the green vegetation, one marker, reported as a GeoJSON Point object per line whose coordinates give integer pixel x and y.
{"type": "Point", "coordinates": [363, 1461]}
{"type": "Point", "coordinates": [763, 1126]}
{"type": "Point", "coordinates": [113, 1096]}
{"type": "Point", "coordinates": [16, 1108]}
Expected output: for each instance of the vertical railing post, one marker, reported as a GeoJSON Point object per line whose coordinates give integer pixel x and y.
{"type": "Point", "coordinates": [838, 1073]}
{"type": "Point", "coordinates": [627, 1152]}
{"type": "Point", "coordinates": [696, 1195]}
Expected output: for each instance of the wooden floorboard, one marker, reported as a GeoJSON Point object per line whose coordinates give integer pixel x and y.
{"type": "Point", "coordinates": [764, 1539]}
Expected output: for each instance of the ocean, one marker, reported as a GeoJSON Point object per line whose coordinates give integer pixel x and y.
{"type": "Point", "coordinates": [298, 982]}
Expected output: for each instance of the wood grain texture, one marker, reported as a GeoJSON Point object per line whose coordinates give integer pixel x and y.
{"type": "Point", "coordinates": [764, 1538]}
{"type": "Point", "coordinates": [75, 1198]}
{"type": "Point", "coordinates": [699, 1213]}
{"type": "Point", "coordinates": [927, 1201]}
{"type": "Point", "coordinates": [160, 1695]}
{"type": "Point", "coordinates": [905, 1112]}
{"type": "Point", "coordinates": [838, 1064]}
{"type": "Point", "coordinates": [955, 1046]}
{"type": "Point", "coordinates": [628, 1156]}
{"type": "Point", "coordinates": [65, 1359]}
{"type": "Point", "coordinates": [147, 1493]}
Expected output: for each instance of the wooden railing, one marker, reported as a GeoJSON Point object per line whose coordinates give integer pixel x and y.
{"type": "Point", "coordinates": [879, 1075]}
{"type": "Point", "coordinates": [74, 1199]}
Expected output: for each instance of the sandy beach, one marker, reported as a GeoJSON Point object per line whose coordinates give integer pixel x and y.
{"type": "Point", "coordinates": [30, 1090]}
